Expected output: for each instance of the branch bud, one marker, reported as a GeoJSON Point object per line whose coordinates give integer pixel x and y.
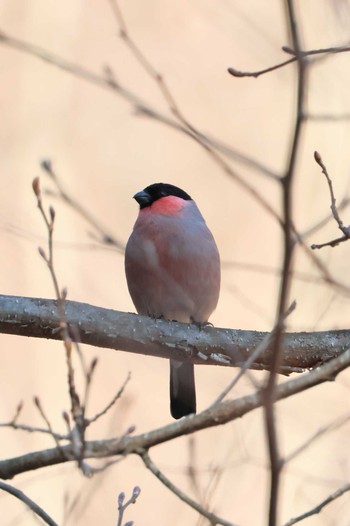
{"type": "Point", "coordinates": [46, 165]}
{"type": "Point", "coordinates": [36, 186]}
{"type": "Point", "coordinates": [52, 213]}
{"type": "Point", "coordinates": [93, 364]}
{"type": "Point", "coordinates": [130, 430]}
{"type": "Point", "coordinates": [317, 157]}
{"type": "Point", "coordinates": [136, 492]}
{"type": "Point", "coordinates": [121, 498]}
{"type": "Point", "coordinates": [65, 416]}
{"type": "Point", "coordinates": [42, 253]}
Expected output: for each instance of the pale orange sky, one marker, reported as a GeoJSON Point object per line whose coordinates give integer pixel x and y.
{"type": "Point", "coordinates": [103, 153]}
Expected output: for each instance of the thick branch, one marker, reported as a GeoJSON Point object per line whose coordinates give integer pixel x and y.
{"type": "Point", "coordinates": [36, 317]}
{"type": "Point", "coordinates": [214, 416]}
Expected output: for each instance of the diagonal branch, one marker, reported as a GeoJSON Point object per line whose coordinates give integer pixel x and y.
{"type": "Point", "coordinates": [105, 237]}
{"type": "Point", "coordinates": [316, 510]}
{"type": "Point", "coordinates": [224, 412]}
{"type": "Point", "coordinates": [213, 519]}
{"type": "Point", "coordinates": [28, 502]}
{"type": "Point", "coordinates": [141, 106]}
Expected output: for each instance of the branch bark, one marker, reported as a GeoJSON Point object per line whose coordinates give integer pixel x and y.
{"type": "Point", "coordinates": [38, 318]}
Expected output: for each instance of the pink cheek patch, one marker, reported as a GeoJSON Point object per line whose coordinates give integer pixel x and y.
{"type": "Point", "coordinates": [169, 205]}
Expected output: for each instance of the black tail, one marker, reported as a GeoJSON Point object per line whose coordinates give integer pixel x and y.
{"type": "Point", "coordinates": [182, 389]}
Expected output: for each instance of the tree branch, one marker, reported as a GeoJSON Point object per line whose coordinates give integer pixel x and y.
{"type": "Point", "coordinates": [38, 318]}
{"type": "Point", "coordinates": [296, 55]}
{"type": "Point", "coordinates": [28, 502]}
{"type": "Point", "coordinates": [316, 510]}
{"type": "Point", "coordinates": [212, 517]}
{"type": "Point", "coordinates": [141, 107]}
{"type": "Point", "coordinates": [221, 414]}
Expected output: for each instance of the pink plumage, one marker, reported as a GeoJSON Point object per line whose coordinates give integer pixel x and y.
{"type": "Point", "coordinates": [172, 268]}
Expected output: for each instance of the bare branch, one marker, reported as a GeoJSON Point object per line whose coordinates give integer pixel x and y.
{"type": "Point", "coordinates": [344, 203]}
{"type": "Point", "coordinates": [77, 434]}
{"type": "Point", "coordinates": [110, 404]}
{"type": "Point", "coordinates": [240, 74]}
{"type": "Point", "coordinates": [266, 343]}
{"type": "Point", "coordinates": [319, 433]}
{"type": "Point", "coordinates": [214, 519]}
{"type": "Point", "coordinates": [276, 462]}
{"type": "Point", "coordinates": [46, 420]}
{"type": "Point", "coordinates": [344, 229]}
{"type": "Point", "coordinates": [36, 317]}
{"type": "Point", "coordinates": [28, 502]}
{"type": "Point", "coordinates": [122, 505]}
{"type": "Point", "coordinates": [208, 143]}
{"type": "Point", "coordinates": [32, 429]}
{"type": "Point", "coordinates": [141, 106]}
{"type": "Point", "coordinates": [224, 412]}
{"type": "Point", "coordinates": [297, 53]}
{"type": "Point", "coordinates": [316, 510]}
{"type": "Point", "coordinates": [106, 237]}
{"type": "Point", "coordinates": [195, 134]}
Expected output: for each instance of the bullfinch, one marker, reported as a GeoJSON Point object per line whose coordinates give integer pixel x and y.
{"type": "Point", "coordinates": [172, 268]}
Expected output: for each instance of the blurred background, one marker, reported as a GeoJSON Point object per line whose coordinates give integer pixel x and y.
{"type": "Point", "coordinates": [103, 151]}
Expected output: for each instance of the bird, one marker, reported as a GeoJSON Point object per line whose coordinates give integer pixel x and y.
{"type": "Point", "coordinates": [172, 268]}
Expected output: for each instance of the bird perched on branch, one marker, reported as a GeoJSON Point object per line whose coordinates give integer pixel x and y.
{"type": "Point", "coordinates": [172, 268]}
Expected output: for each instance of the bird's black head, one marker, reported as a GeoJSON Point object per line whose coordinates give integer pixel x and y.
{"type": "Point", "coordinates": [158, 190]}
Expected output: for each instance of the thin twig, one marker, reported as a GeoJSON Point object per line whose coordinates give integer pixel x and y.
{"type": "Point", "coordinates": [77, 410]}
{"type": "Point", "coordinates": [17, 413]}
{"type": "Point", "coordinates": [106, 237]}
{"type": "Point", "coordinates": [111, 403]}
{"type": "Point", "coordinates": [298, 55]}
{"type": "Point", "coordinates": [314, 511]}
{"type": "Point", "coordinates": [32, 429]}
{"type": "Point", "coordinates": [325, 274]}
{"type": "Point", "coordinates": [220, 146]}
{"type": "Point", "coordinates": [178, 114]}
{"type": "Point", "coordinates": [88, 376]}
{"type": "Point", "coordinates": [122, 505]}
{"type": "Point", "coordinates": [46, 420]}
{"type": "Point", "coordinates": [261, 348]}
{"type": "Point", "coordinates": [272, 271]}
{"type": "Point", "coordinates": [215, 476]}
{"type": "Point", "coordinates": [344, 229]}
{"type": "Point", "coordinates": [344, 203]}
{"type": "Point", "coordinates": [209, 147]}
{"type": "Point", "coordinates": [110, 84]}
{"type": "Point", "coordinates": [328, 117]}
{"type": "Point", "coordinates": [319, 433]}
{"type": "Point", "coordinates": [276, 462]}
{"type": "Point", "coordinates": [240, 74]}
{"type": "Point", "coordinates": [214, 519]}
{"type": "Point", "coordinates": [28, 502]}
{"type": "Point", "coordinates": [191, 467]}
